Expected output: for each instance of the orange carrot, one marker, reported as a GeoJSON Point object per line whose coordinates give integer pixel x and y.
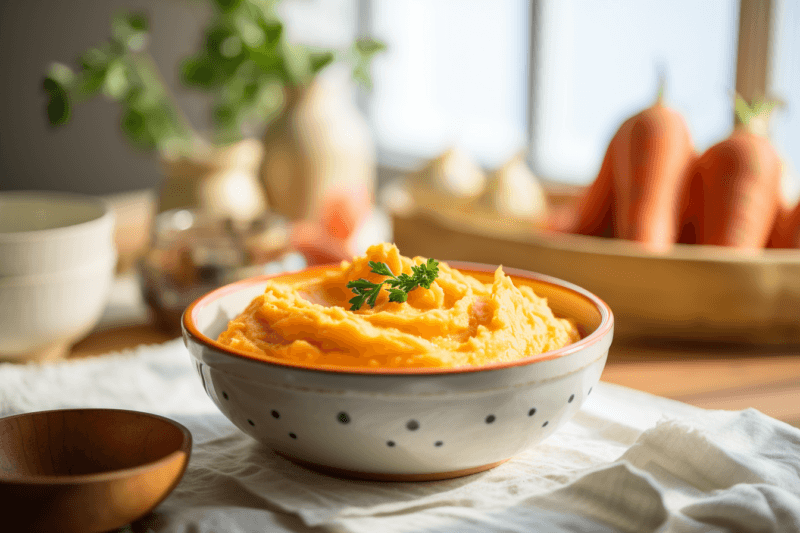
{"type": "Point", "coordinates": [791, 226]}
{"type": "Point", "coordinates": [654, 153]}
{"type": "Point", "coordinates": [740, 179]}
{"type": "Point", "coordinates": [343, 211]}
{"type": "Point", "coordinates": [691, 216]}
{"type": "Point", "coordinates": [330, 239]}
{"type": "Point", "coordinates": [593, 216]}
{"type": "Point", "coordinates": [641, 181]}
{"type": "Point", "coordinates": [317, 245]}
{"type": "Point", "coordinates": [781, 234]}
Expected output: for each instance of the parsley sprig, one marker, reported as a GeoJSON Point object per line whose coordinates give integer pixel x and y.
{"type": "Point", "coordinates": [399, 286]}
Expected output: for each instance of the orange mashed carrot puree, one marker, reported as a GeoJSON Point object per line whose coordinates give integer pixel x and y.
{"type": "Point", "coordinates": [458, 321]}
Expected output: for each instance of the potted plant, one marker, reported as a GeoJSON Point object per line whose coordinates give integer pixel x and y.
{"type": "Point", "coordinates": [256, 78]}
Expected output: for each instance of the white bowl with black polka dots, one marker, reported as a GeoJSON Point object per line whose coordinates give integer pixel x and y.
{"type": "Point", "coordinates": [401, 424]}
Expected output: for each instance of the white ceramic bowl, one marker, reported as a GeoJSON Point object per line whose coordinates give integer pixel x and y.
{"type": "Point", "coordinates": [43, 314]}
{"type": "Point", "coordinates": [43, 232]}
{"type": "Point", "coordinates": [57, 260]}
{"type": "Point", "coordinates": [401, 424]}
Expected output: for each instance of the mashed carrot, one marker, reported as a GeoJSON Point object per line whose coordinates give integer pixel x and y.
{"type": "Point", "coordinates": [458, 321]}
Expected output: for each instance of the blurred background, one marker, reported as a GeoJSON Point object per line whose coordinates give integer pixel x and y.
{"type": "Point", "coordinates": [235, 137]}
{"type": "Point", "coordinates": [554, 78]}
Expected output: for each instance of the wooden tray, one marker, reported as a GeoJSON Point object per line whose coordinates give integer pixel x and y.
{"type": "Point", "coordinates": [693, 292]}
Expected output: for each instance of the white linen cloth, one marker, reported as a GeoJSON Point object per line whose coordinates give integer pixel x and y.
{"type": "Point", "coordinates": [628, 462]}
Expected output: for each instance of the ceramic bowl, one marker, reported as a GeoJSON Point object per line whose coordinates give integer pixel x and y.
{"type": "Point", "coordinates": [57, 260]}
{"type": "Point", "coordinates": [87, 470]}
{"type": "Point", "coordinates": [401, 424]}
{"type": "Point", "coordinates": [46, 232]}
{"type": "Point", "coordinates": [43, 314]}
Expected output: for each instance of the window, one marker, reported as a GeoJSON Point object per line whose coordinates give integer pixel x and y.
{"type": "Point", "coordinates": [597, 63]}
{"type": "Point", "coordinates": [457, 73]}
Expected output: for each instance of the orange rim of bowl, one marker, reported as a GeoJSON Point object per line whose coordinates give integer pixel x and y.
{"type": "Point", "coordinates": [606, 323]}
{"type": "Point", "coordinates": [184, 449]}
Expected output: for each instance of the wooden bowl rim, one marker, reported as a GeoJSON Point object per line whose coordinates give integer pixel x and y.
{"type": "Point", "coordinates": [192, 333]}
{"type": "Point", "coordinates": [531, 234]}
{"type": "Point", "coordinates": [185, 449]}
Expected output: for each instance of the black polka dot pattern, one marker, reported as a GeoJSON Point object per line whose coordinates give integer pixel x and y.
{"type": "Point", "coordinates": [411, 425]}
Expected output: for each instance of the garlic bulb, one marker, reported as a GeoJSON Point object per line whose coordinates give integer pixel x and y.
{"type": "Point", "coordinates": [454, 173]}
{"type": "Point", "coordinates": [514, 191]}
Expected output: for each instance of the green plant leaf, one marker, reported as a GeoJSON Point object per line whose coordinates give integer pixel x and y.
{"type": "Point", "coordinates": [231, 47]}
{"type": "Point", "coordinates": [398, 295]}
{"type": "Point", "coordinates": [296, 63]}
{"type": "Point", "coordinates": [369, 47]}
{"type": "Point", "coordinates": [320, 60]}
{"type": "Point", "coordinates": [115, 84]}
{"type": "Point", "coordinates": [362, 76]}
{"type": "Point", "coordinates": [160, 125]}
{"type": "Point", "coordinates": [58, 106]}
{"type": "Point", "coordinates": [226, 123]}
{"type": "Point", "coordinates": [134, 126]}
{"type": "Point", "coordinates": [129, 30]}
{"type": "Point", "coordinates": [380, 268]}
{"type": "Point", "coordinates": [226, 6]}
{"type": "Point", "coordinates": [253, 35]}
{"type": "Point", "coordinates": [96, 59]}
{"type": "Point", "coordinates": [364, 50]}
{"type": "Point", "coordinates": [267, 61]}
{"type": "Point", "coordinates": [215, 38]}
{"type": "Point", "coordinates": [57, 84]}
{"type": "Point", "coordinates": [197, 72]}
{"type": "Point", "coordinates": [273, 30]}
{"type": "Point", "coordinates": [234, 92]}
{"type": "Point", "coordinates": [270, 96]}
{"type": "Point", "coordinates": [61, 74]}
{"type": "Point", "coordinates": [89, 83]}
{"type": "Point", "coordinates": [142, 98]}
{"type": "Point", "coordinates": [137, 22]}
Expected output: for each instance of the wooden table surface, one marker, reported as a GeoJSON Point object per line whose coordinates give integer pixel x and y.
{"type": "Point", "coordinates": [712, 376]}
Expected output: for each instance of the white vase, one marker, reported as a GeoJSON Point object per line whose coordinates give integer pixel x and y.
{"type": "Point", "coordinates": [320, 142]}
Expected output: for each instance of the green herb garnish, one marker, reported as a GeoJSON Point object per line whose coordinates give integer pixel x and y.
{"type": "Point", "coordinates": [399, 286]}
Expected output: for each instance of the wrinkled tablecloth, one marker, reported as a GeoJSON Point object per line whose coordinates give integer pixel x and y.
{"type": "Point", "coordinates": [628, 461]}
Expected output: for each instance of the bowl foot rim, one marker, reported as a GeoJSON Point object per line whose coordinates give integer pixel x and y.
{"type": "Point", "coordinates": [384, 476]}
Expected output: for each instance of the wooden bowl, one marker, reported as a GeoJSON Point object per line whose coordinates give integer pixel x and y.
{"type": "Point", "coordinates": [87, 470]}
{"type": "Point", "coordinates": [693, 292]}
